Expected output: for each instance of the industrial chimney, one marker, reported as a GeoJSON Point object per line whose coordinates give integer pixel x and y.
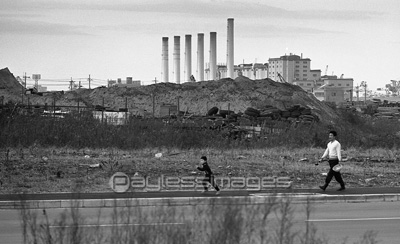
{"type": "Point", "coordinates": [213, 55]}
{"type": "Point", "coordinates": [230, 50]}
{"type": "Point", "coordinates": [164, 60]}
{"type": "Point", "coordinates": [188, 57]}
{"type": "Point", "coordinates": [177, 59]}
{"type": "Point", "coordinates": [200, 56]}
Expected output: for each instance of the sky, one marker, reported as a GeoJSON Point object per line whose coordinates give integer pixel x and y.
{"type": "Point", "coordinates": [72, 39]}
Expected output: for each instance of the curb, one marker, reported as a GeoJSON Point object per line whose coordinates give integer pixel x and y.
{"type": "Point", "coordinates": [184, 201]}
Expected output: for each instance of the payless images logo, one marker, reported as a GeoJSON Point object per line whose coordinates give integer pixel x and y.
{"type": "Point", "coordinates": [121, 182]}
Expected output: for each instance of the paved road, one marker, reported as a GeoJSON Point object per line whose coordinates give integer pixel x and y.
{"type": "Point", "coordinates": [337, 219]}
{"type": "Point", "coordinates": [333, 220]}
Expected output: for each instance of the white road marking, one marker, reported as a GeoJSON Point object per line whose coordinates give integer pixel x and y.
{"type": "Point", "coordinates": [358, 219]}
{"type": "Point", "coordinates": [112, 225]}
{"type": "Point", "coordinates": [286, 194]}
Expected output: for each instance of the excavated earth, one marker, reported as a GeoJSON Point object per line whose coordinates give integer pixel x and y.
{"type": "Point", "coordinates": [194, 97]}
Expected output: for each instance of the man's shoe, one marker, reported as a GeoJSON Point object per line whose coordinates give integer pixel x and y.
{"type": "Point", "coordinates": [322, 187]}
{"type": "Point", "coordinates": [203, 192]}
{"type": "Point", "coordinates": [341, 188]}
{"type": "Point", "coordinates": [217, 193]}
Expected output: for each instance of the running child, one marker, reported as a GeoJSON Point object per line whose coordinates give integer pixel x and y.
{"type": "Point", "coordinates": [209, 176]}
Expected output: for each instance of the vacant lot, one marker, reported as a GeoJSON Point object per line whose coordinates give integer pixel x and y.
{"type": "Point", "coordinates": [37, 169]}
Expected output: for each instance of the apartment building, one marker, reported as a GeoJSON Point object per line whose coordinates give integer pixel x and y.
{"type": "Point", "coordinates": [293, 68]}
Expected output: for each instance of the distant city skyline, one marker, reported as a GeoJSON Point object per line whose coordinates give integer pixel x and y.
{"type": "Point", "coordinates": [108, 40]}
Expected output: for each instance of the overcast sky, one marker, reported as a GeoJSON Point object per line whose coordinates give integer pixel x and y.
{"type": "Point", "coordinates": [60, 39]}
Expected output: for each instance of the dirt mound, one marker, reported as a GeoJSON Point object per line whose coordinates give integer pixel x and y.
{"type": "Point", "coordinates": [10, 88]}
{"type": "Point", "coordinates": [194, 97]}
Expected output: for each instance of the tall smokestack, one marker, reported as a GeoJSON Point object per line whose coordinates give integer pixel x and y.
{"type": "Point", "coordinates": [230, 50]}
{"type": "Point", "coordinates": [200, 56]}
{"type": "Point", "coordinates": [188, 57]}
{"type": "Point", "coordinates": [164, 60]}
{"type": "Point", "coordinates": [213, 55]}
{"type": "Point", "coordinates": [177, 59]}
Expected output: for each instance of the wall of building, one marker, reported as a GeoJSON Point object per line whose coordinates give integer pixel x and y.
{"type": "Point", "coordinates": [334, 94]}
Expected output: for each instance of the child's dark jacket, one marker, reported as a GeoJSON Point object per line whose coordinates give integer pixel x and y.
{"type": "Point", "coordinates": [205, 168]}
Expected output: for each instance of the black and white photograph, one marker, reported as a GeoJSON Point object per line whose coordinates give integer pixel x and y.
{"type": "Point", "coordinates": [199, 121]}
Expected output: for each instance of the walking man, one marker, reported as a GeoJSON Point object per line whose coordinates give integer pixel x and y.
{"type": "Point", "coordinates": [209, 177]}
{"type": "Point", "coordinates": [334, 156]}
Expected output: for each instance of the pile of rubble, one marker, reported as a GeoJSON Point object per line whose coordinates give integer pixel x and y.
{"type": "Point", "coordinates": [297, 113]}
{"type": "Point", "coordinates": [270, 100]}
{"type": "Point", "coordinates": [388, 112]}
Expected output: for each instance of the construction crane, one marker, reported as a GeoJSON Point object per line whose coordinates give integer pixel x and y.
{"type": "Point", "coordinates": [281, 78]}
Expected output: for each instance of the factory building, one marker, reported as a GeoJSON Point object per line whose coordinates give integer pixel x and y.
{"type": "Point", "coordinates": [334, 89]}
{"type": "Point", "coordinates": [293, 69]}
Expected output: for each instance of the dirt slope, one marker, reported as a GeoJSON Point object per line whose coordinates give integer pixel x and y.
{"type": "Point", "coordinates": [10, 88]}
{"type": "Point", "coordinates": [194, 97]}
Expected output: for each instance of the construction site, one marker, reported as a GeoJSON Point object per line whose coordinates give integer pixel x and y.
{"type": "Point", "coordinates": [241, 104]}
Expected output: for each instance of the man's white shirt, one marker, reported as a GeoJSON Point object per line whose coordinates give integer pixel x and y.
{"type": "Point", "coordinates": [333, 150]}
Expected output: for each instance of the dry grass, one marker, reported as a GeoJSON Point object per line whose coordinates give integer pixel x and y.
{"type": "Point", "coordinates": [39, 169]}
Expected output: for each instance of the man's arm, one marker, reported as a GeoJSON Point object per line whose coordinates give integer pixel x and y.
{"type": "Point", "coordinates": [338, 151]}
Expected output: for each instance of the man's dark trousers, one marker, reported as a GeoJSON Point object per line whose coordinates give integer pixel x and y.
{"type": "Point", "coordinates": [332, 173]}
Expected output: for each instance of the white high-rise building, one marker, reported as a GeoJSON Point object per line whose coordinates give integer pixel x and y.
{"type": "Point", "coordinates": [292, 68]}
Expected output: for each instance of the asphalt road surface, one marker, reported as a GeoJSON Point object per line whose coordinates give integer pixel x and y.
{"type": "Point", "coordinates": [335, 221]}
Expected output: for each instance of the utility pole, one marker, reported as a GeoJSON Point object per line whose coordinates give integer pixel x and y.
{"type": "Point", "coordinates": [155, 80]}
{"type": "Point", "coordinates": [25, 79]}
{"type": "Point", "coordinates": [71, 84]}
{"type": "Point", "coordinates": [24, 86]}
{"type": "Point", "coordinates": [89, 81]}
{"type": "Point", "coordinates": [357, 91]}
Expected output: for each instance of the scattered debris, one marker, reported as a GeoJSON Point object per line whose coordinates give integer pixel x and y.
{"type": "Point", "coordinates": [369, 180]}
{"type": "Point", "coordinates": [94, 165]}
{"type": "Point", "coordinates": [158, 155]}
